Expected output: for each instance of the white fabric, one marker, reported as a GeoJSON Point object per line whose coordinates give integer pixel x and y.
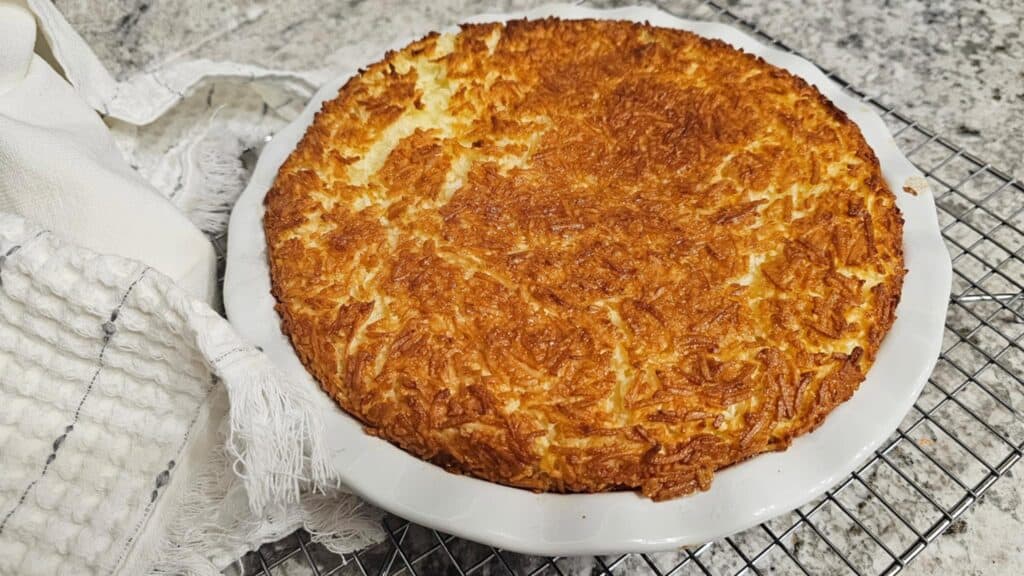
{"type": "Point", "coordinates": [116, 454]}
{"type": "Point", "coordinates": [17, 36]}
{"type": "Point", "coordinates": [59, 167]}
{"type": "Point", "coordinates": [145, 97]}
{"type": "Point", "coordinates": [113, 366]}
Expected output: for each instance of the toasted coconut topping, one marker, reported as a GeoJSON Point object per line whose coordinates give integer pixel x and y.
{"type": "Point", "coordinates": [580, 256]}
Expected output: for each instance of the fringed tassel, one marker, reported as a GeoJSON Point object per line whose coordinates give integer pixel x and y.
{"type": "Point", "coordinates": [215, 523]}
{"type": "Point", "coordinates": [275, 438]}
{"type": "Point", "coordinates": [341, 522]}
{"type": "Point", "coordinates": [215, 176]}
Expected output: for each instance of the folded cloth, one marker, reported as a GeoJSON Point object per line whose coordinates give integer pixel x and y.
{"type": "Point", "coordinates": [59, 167]}
{"type": "Point", "coordinates": [138, 433]}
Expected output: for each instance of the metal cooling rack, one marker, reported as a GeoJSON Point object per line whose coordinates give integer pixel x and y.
{"type": "Point", "coordinates": [963, 434]}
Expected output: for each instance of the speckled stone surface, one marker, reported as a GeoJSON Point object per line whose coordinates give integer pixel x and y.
{"type": "Point", "coordinates": [955, 67]}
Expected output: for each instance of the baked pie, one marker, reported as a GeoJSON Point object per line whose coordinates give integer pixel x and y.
{"type": "Point", "coordinates": [581, 256]}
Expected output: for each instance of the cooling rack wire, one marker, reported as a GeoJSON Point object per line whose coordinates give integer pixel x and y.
{"type": "Point", "coordinates": [962, 435]}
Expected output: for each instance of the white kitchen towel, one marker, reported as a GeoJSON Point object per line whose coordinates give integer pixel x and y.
{"type": "Point", "coordinates": [59, 167]}
{"type": "Point", "coordinates": [138, 433]}
{"type": "Point", "coordinates": [189, 99]}
{"type": "Point", "coordinates": [116, 451]}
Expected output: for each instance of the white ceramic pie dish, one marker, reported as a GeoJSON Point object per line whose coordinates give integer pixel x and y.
{"type": "Point", "coordinates": [740, 496]}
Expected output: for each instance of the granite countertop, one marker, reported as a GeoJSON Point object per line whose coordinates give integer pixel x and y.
{"type": "Point", "coordinates": [955, 67]}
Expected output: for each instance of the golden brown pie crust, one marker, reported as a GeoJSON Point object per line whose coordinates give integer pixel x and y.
{"type": "Point", "coordinates": [580, 256]}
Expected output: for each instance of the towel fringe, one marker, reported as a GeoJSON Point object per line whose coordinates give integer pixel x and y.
{"type": "Point", "coordinates": [214, 522]}
{"type": "Point", "coordinates": [215, 176]}
{"type": "Point", "coordinates": [275, 433]}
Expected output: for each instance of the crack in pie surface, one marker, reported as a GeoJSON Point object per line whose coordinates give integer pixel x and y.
{"type": "Point", "coordinates": [583, 255]}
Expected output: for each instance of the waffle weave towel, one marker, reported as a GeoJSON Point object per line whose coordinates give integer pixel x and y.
{"type": "Point", "coordinates": [120, 449]}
